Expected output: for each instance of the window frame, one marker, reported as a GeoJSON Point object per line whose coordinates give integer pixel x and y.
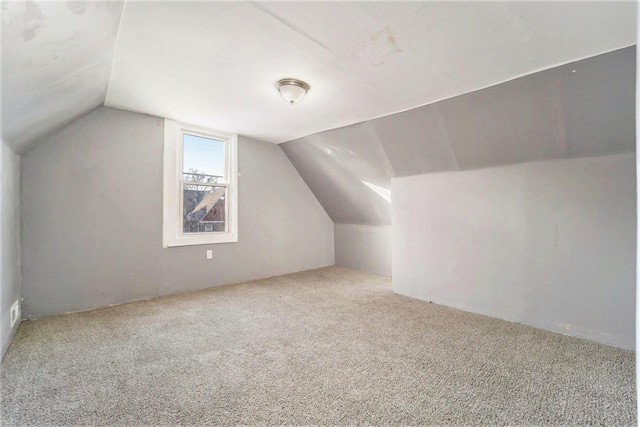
{"type": "Point", "coordinates": [172, 227]}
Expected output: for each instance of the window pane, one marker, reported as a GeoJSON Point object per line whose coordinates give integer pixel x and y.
{"type": "Point", "coordinates": [203, 209]}
{"type": "Point", "coordinates": [202, 159]}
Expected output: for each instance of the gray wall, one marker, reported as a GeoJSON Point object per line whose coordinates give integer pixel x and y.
{"type": "Point", "coordinates": [347, 169]}
{"type": "Point", "coordinates": [92, 219]}
{"type": "Point", "coordinates": [364, 247]}
{"type": "Point", "coordinates": [637, 111]}
{"type": "Point", "coordinates": [581, 109]}
{"type": "Point", "coordinates": [340, 166]}
{"type": "Point", "coordinates": [10, 238]}
{"type": "Point", "coordinates": [550, 244]}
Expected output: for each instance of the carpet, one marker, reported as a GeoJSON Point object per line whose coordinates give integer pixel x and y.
{"type": "Point", "coordinates": [331, 346]}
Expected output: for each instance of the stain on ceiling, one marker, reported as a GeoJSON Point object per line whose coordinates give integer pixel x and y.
{"type": "Point", "coordinates": [215, 64]}
{"type": "Point", "coordinates": [56, 64]}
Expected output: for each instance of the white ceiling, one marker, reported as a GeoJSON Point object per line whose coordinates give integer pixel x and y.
{"type": "Point", "coordinates": [56, 63]}
{"type": "Point", "coordinates": [216, 63]}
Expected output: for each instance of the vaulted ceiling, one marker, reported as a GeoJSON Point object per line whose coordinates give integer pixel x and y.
{"type": "Point", "coordinates": [581, 109]}
{"type": "Point", "coordinates": [216, 63]}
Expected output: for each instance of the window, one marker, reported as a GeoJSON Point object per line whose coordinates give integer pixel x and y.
{"type": "Point", "coordinates": [200, 186]}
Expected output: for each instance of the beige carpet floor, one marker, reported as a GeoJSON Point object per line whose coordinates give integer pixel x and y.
{"type": "Point", "coordinates": [331, 346]}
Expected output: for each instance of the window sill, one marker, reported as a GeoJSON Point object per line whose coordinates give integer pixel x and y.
{"type": "Point", "coordinates": [201, 240]}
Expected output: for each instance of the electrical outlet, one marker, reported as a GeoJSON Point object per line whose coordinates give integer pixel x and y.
{"type": "Point", "coordinates": [209, 254]}
{"type": "Point", "coordinates": [15, 313]}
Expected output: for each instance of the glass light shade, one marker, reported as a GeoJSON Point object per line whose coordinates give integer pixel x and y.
{"type": "Point", "coordinates": [292, 90]}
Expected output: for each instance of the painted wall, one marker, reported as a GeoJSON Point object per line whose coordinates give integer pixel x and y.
{"type": "Point", "coordinates": [637, 129]}
{"type": "Point", "coordinates": [10, 238]}
{"type": "Point", "coordinates": [576, 110]}
{"type": "Point", "coordinates": [363, 247]}
{"type": "Point", "coordinates": [550, 244]}
{"type": "Point", "coordinates": [92, 219]}
{"type": "Point", "coordinates": [346, 169]}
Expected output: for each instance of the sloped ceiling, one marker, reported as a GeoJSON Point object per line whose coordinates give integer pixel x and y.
{"type": "Point", "coordinates": [56, 63]}
{"type": "Point", "coordinates": [585, 108]}
{"type": "Point", "coordinates": [215, 63]}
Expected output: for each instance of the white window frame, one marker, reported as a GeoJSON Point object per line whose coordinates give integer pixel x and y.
{"type": "Point", "coordinates": [172, 232]}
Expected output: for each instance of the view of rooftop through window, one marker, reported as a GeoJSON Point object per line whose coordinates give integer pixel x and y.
{"type": "Point", "coordinates": [203, 204]}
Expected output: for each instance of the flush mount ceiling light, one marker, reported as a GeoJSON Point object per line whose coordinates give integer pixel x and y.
{"type": "Point", "coordinates": [292, 90]}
